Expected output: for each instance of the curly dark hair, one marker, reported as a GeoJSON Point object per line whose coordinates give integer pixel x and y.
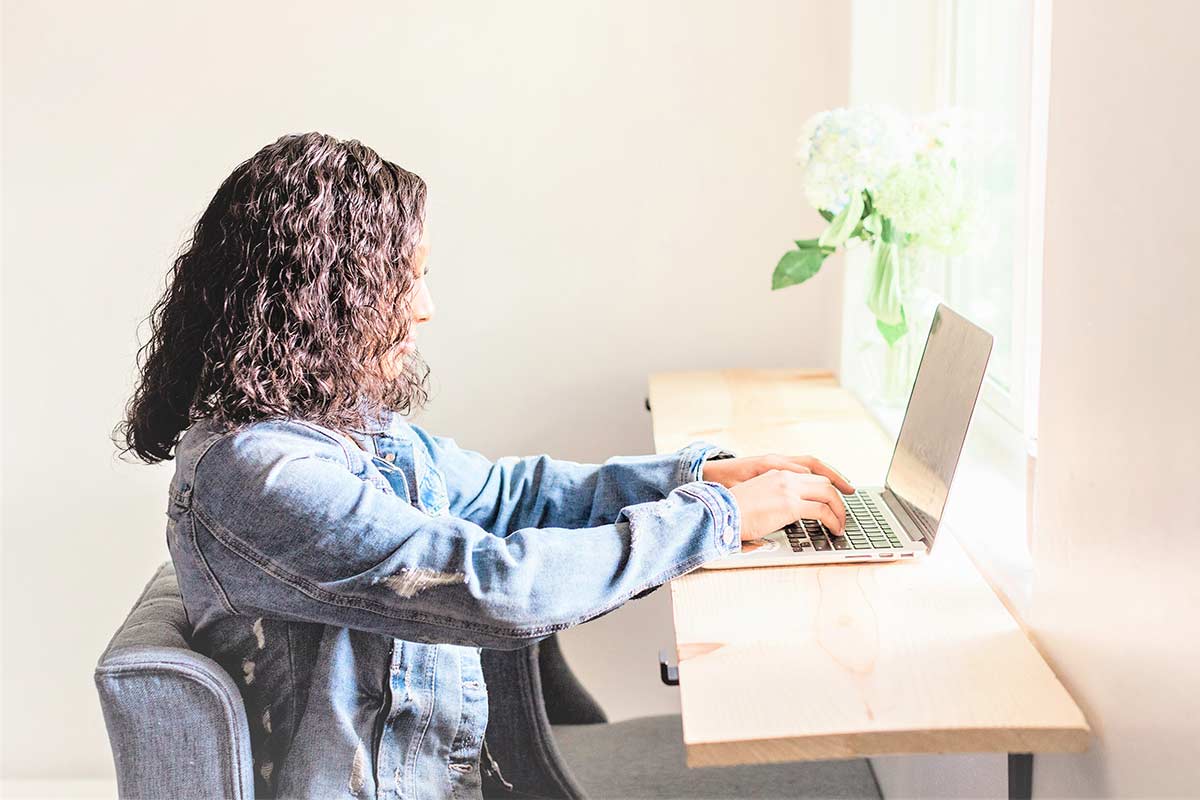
{"type": "Point", "coordinates": [289, 301]}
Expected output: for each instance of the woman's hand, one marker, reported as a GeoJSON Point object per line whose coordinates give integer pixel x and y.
{"type": "Point", "coordinates": [779, 497]}
{"type": "Point", "coordinates": [731, 471]}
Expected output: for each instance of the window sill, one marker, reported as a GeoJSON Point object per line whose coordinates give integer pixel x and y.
{"type": "Point", "coordinates": [987, 511]}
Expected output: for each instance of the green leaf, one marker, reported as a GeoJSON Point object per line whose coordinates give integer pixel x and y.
{"type": "Point", "coordinates": [892, 333]}
{"type": "Point", "coordinates": [797, 266]}
{"type": "Point", "coordinates": [828, 215]}
{"type": "Point", "coordinates": [844, 224]}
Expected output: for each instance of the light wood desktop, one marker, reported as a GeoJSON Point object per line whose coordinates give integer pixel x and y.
{"type": "Point", "coordinates": [847, 660]}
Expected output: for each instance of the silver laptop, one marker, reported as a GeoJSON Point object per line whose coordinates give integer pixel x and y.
{"type": "Point", "coordinates": [899, 520]}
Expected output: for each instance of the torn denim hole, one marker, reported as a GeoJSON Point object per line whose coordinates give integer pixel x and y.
{"type": "Point", "coordinates": [265, 770]}
{"type": "Point", "coordinates": [410, 582]}
{"type": "Point", "coordinates": [259, 635]}
{"type": "Point", "coordinates": [632, 527]}
{"type": "Point", "coordinates": [266, 721]}
{"type": "Point", "coordinates": [248, 671]}
{"type": "Point", "coordinates": [358, 771]}
{"type": "Point", "coordinates": [493, 768]}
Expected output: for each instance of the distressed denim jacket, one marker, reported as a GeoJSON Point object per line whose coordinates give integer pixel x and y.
{"type": "Point", "coordinates": [349, 592]}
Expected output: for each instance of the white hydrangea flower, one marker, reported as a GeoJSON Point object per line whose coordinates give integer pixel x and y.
{"type": "Point", "coordinates": [910, 166]}
{"type": "Point", "coordinates": [850, 150]}
{"type": "Point", "coordinates": [913, 171]}
{"type": "Point", "coordinates": [804, 142]}
{"type": "Point", "coordinates": [926, 200]}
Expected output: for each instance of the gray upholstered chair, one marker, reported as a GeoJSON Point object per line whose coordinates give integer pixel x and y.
{"type": "Point", "coordinates": [178, 728]}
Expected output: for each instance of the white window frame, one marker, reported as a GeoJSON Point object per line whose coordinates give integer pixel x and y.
{"type": "Point", "coordinates": [1016, 403]}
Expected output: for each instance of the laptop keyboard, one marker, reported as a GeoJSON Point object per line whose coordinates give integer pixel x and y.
{"type": "Point", "coordinates": [866, 529]}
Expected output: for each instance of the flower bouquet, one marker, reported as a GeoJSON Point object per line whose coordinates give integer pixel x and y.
{"type": "Point", "coordinates": [885, 179]}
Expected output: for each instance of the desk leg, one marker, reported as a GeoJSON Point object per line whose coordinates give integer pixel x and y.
{"type": "Point", "coordinates": [1020, 776]}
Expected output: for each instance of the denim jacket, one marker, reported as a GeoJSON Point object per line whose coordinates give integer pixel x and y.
{"type": "Point", "coordinates": [349, 592]}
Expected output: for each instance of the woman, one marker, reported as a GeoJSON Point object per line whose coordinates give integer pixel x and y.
{"type": "Point", "coordinates": [345, 566]}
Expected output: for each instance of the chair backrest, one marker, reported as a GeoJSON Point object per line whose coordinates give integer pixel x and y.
{"type": "Point", "coordinates": [178, 728]}
{"type": "Point", "coordinates": [175, 718]}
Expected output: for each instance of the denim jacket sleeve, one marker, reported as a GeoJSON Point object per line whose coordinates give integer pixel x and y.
{"type": "Point", "coordinates": [287, 525]}
{"type": "Point", "coordinates": [539, 491]}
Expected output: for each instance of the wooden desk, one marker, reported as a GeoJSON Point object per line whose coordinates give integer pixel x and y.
{"type": "Point", "coordinates": [848, 660]}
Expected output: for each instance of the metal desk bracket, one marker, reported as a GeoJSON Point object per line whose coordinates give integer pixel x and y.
{"type": "Point", "coordinates": [666, 670]}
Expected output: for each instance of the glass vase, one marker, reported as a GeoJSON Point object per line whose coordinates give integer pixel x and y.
{"type": "Point", "coordinates": [900, 360]}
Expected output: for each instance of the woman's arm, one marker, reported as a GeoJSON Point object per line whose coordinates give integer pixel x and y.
{"type": "Point", "coordinates": [539, 491]}
{"type": "Point", "coordinates": [286, 528]}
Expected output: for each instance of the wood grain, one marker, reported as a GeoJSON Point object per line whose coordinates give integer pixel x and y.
{"type": "Point", "coordinates": [841, 661]}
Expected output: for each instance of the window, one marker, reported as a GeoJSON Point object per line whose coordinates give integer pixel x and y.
{"type": "Point", "coordinates": [989, 59]}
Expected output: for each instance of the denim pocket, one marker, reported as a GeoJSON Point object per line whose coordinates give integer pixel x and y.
{"type": "Point", "coordinates": [395, 465]}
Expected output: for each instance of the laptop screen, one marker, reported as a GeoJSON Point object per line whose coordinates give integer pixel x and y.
{"type": "Point", "coordinates": [939, 411]}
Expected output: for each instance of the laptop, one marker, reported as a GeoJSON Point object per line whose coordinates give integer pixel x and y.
{"type": "Point", "coordinates": [900, 519]}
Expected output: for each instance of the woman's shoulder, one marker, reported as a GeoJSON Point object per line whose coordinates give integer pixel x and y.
{"type": "Point", "coordinates": [247, 471]}
{"type": "Point", "coordinates": [209, 445]}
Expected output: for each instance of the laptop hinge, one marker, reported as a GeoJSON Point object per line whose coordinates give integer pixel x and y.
{"type": "Point", "coordinates": [914, 531]}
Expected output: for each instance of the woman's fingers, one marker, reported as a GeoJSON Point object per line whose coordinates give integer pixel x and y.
{"type": "Point", "coordinates": [812, 509]}
{"type": "Point", "coordinates": [818, 467]}
{"type": "Point", "coordinates": [838, 507]}
{"type": "Point", "coordinates": [772, 499]}
{"type": "Point", "coordinates": [788, 464]}
{"type": "Point", "coordinates": [819, 491]}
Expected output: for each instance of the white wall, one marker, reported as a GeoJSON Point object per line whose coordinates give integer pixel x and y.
{"type": "Point", "coordinates": [1120, 434]}
{"type": "Point", "coordinates": [1115, 589]}
{"type": "Point", "coordinates": [611, 185]}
